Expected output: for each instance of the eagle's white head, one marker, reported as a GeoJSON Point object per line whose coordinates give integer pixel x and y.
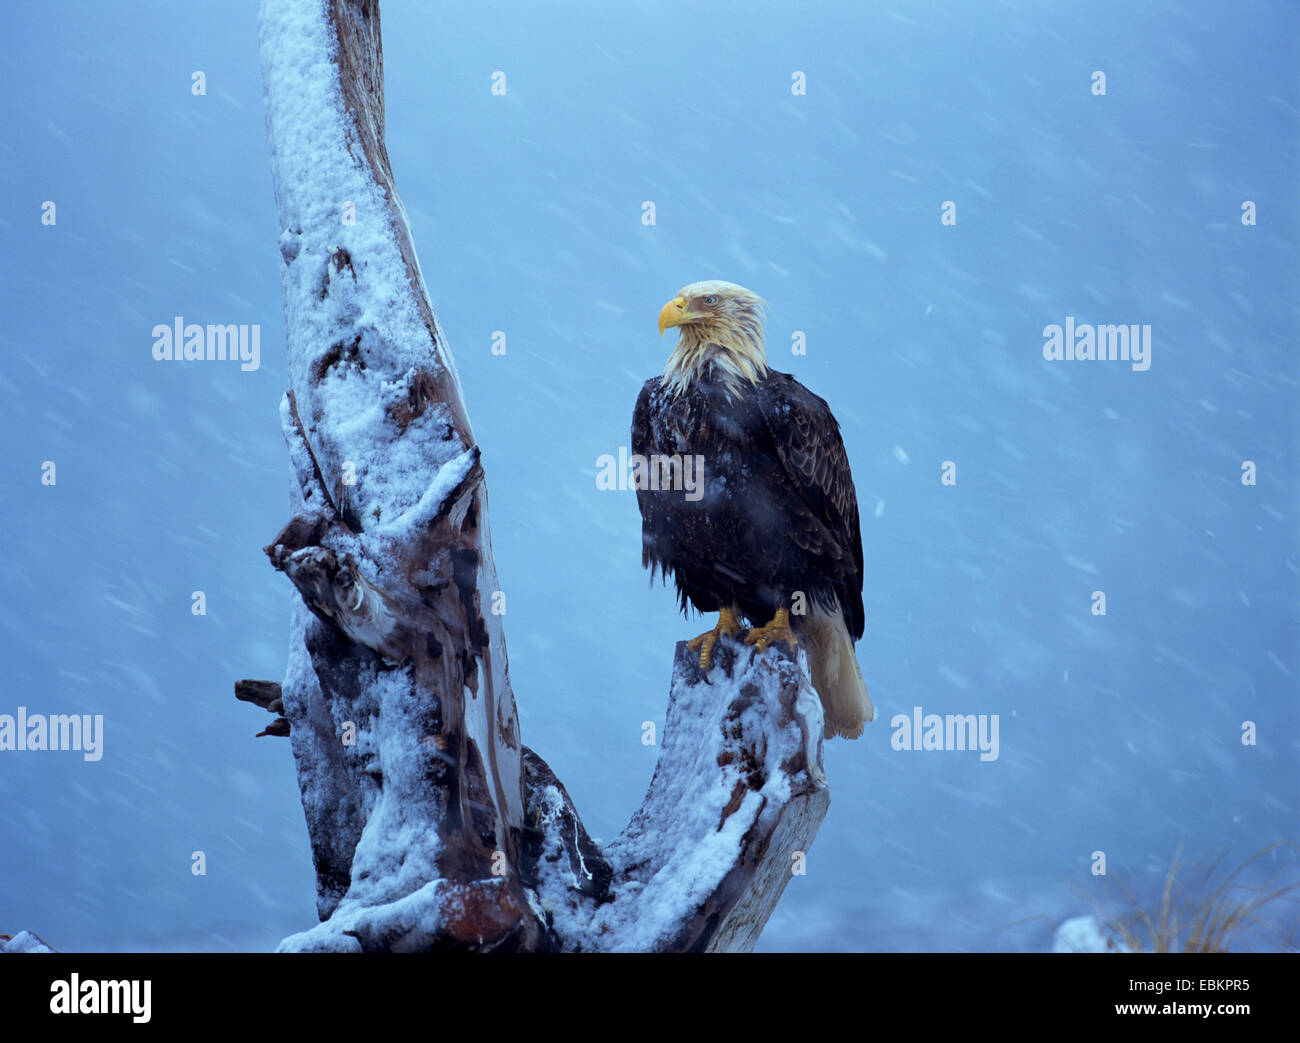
{"type": "Point", "coordinates": [721, 323]}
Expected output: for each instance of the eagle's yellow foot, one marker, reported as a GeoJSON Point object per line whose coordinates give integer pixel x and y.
{"type": "Point", "coordinates": [726, 625]}
{"type": "Point", "coordinates": [777, 631]}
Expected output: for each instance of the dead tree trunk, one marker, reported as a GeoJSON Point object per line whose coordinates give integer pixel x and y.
{"type": "Point", "coordinates": [431, 825]}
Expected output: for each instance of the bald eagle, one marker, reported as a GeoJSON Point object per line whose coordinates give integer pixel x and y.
{"type": "Point", "coordinates": [766, 528]}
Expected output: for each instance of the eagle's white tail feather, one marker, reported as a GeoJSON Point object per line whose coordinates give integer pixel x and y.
{"type": "Point", "coordinates": [836, 674]}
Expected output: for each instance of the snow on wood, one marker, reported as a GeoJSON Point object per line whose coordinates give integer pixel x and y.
{"type": "Point", "coordinates": [738, 794]}
{"type": "Point", "coordinates": [23, 941]}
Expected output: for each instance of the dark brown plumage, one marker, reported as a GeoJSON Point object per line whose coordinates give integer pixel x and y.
{"type": "Point", "coordinates": [778, 513]}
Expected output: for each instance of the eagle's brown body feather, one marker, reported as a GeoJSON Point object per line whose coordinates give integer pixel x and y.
{"type": "Point", "coordinates": [778, 515]}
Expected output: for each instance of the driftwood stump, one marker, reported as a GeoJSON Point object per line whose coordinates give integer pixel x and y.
{"type": "Point", "coordinates": [431, 825]}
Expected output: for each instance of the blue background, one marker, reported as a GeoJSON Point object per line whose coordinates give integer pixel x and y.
{"type": "Point", "coordinates": [1119, 734]}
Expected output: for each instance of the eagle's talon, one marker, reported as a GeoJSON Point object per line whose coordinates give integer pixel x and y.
{"type": "Point", "coordinates": [726, 625]}
{"type": "Point", "coordinates": [776, 632]}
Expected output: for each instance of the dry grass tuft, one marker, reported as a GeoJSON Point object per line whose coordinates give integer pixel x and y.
{"type": "Point", "coordinates": [1196, 914]}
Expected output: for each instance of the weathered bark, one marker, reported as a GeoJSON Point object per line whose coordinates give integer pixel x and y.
{"type": "Point", "coordinates": [431, 825]}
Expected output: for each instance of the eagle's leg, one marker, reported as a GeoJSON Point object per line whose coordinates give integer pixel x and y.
{"type": "Point", "coordinates": [776, 631]}
{"type": "Point", "coordinates": [726, 625]}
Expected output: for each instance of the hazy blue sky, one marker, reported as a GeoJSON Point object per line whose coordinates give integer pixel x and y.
{"type": "Point", "coordinates": [1120, 733]}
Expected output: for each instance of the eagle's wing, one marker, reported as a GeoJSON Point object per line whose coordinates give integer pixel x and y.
{"type": "Point", "coordinates": [806, 437]}
{"type": "Point", "coordinates": [641, 436]}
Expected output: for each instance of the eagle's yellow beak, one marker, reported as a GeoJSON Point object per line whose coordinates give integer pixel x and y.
{"type": "Point", "coordinates": [673, 314]}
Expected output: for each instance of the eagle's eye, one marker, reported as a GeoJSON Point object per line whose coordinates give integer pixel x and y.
{"type": "Point", "coordinates": [711, 299]}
